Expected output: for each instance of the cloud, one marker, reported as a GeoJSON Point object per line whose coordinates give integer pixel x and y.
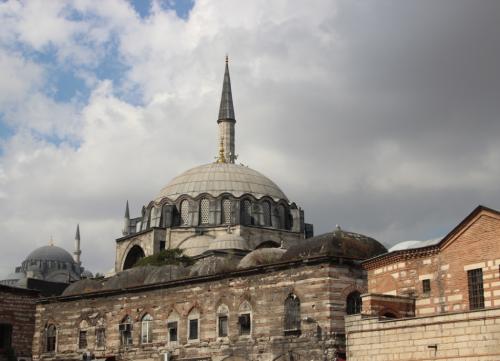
{"type": "Point", "coordinates": [378, 116]}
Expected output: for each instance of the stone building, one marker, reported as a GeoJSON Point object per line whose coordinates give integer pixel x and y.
{"type": "Point", "coordinates": [433, 300]}
{"type": "Point", "coordinates": [17, 322]}
{"type": "Point", "coordinates": [261, 287]}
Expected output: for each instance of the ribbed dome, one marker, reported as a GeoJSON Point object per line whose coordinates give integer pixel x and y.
{"type": "Point", "coordinates": [50, 253]}
{"type": "Point", "coordinates": [218, 178]}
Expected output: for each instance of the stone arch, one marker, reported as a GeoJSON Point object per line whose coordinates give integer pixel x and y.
{"type": "Point", "coordinates": [133, 255]}
{"type": "Point", "coordinates": [268, 244]}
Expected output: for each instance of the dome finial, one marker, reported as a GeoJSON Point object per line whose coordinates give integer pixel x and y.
{"type": "Point", "coordinates": [227, 59]}
{"type": "Point", "coordinates": [51, 241]}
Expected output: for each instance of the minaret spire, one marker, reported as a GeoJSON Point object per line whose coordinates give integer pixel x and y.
{"type": "Point", "coordinates": [126, 221]}
{"type": "Point", "coordinates": [78, 251]}
{"type": "Point", "coordinates": [226, 118]}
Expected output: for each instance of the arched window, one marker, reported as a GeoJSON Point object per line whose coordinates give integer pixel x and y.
{"type": "Point", "coordinates": [184, 213]}
{"type": "Point", "coordinates": [193, 326]}
{"type": "Point", "coordinates": [292, 315]}
{"type": "Point", "coordinates": [353, 303]}
{"type": "Point", "coordinates": [245, 318]}
{"type": "Point", "coordinates": [125, 329]}
{"type": "Point", "coordinates": [134, 255]}
{"type": "Point", "coordinates": [222, 321]}
{"type": "Point", "coordinates": [173, 327]}
{"type": "Point", "coordinates": [50, 338]}
{"type": "Point", "coordinates": [246, 212]}
{"type": "Point", "coordinates": [204, 211]}
{"type": "Point", "coordinates": [226, 211]}
{"type": "Point", "coordinates": [82, 335]}
{"type": "Point", "coordinates": [281, 216]}
{"type": "Point", "coordinates": [266, 211]}
{"type": "Point", "coordinates": [147, 329]}
{"type": "Point", "coordinates": [100, 334]}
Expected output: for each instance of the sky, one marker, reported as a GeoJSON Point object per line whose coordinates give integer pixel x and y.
{"type": "Point", "coordinates": [380, 116]}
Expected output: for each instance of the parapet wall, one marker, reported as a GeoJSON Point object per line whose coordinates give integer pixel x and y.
{"type": "Point", "coordinates": [471, 336]}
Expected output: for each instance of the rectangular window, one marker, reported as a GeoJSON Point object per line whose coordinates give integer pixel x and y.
{"type": "Point", "coordinates": [222, 326]}
{"type": "Point", "coordinates": [162, 245]}
{"type": "Point", "coordinates": [82, 340]}
{"type": "Point", "coordinates": [125, 334]}
{"type": "Point", "coordinates": [476, 294]}
{"type": "Point", "coordinates": [172, 331]}
{"type": "Point", "coordinates": [193, 329]}
{"type": "Point", "coordinates": [100, 337]}
{"type": "Point", "coordinates": [5, 335]}
{"type": "Point", "coordinates": [245, 323]}
{"type": "Point", "coordinates": [426, 286]}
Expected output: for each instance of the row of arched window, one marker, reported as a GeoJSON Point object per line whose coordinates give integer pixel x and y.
{"type": "Point", "coordinates": [251, 213]}
{"type": "Point", "coordinates": [291, 324]}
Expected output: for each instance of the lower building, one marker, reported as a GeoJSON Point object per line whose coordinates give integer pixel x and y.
{"type": "Point", "coordinates": [436, 300]}
{"type": "Point", "coordinates": [17, 322]}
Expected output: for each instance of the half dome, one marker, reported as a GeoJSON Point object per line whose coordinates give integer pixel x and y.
{"type": "Point", "coordinates": [218, 178]}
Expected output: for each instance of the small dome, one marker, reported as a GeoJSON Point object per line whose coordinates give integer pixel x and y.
{"type": "Point", "coordinates": [339, 243]}
{"type": "Point", "coordinates": [50, 253]}
{"type": "Point", "coordinates": [218, 178]}
{"type": "Point", "coordinates": [261, 256]}
{"type": "Point", "coordinates": [213, 265]}
{"type": "Point", "coordinates": [229, 241]}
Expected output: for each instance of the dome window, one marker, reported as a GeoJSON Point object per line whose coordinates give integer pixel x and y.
{"type": "Point", "coordinates": [226, 211]}
{"type": "Point", "coordinates": [266, 210]}
{"type": "Point", "coordinates": [204, 211]}
{"type": "Point", "coordinates": [246, 212]}
{"type": "Point", "coordinates": [184, 213]}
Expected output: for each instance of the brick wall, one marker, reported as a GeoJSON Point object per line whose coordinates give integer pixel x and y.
{"type": "Point", "coordinates": [475, 245]}
{"type": "Point", "coordinates": [17, 308]}
{"type": "Point", "coordinates": [322, 288]}
{"type": "Point", "coordinates": [471, 336]}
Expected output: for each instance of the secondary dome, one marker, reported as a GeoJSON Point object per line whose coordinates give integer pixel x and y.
{"type": "Point", "coordinates": [218, 178]}
{"type": "Point", "coordinates": [50, 253]}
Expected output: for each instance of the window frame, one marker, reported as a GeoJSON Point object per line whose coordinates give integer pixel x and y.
{"type": "Point", "coordinates": [475, 283]}
{"type": "Point", "coordinates": [426, 286]}
{"type": "Point", "coordinates": [147, 329]}
{"type": "Point", "coordinates": [193, 316]}
{"type": "Point", "coordinates": [292, 315]}
{"type": "Point", "coordinates": [126, 334]}
{"type": "Point", "coordinates": [50, 346]}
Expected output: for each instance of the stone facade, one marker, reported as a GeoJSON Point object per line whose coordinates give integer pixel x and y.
{"type": "Point", "coordinates": [321, 285]}
{"type": "Point", "coordinates": [17, 320]}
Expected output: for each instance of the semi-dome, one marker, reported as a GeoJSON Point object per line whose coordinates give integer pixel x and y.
{"type": "Point", "coordinates": [218, 178]}
{"type": "Point", "coordinates": [50, 253]}
{"type": "Point", "coordinates": [229, 241]}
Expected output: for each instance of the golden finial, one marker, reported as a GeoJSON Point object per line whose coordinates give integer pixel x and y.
{"type": "Point", "coordinates": [51, 241]}
{"type": "Point", "coordinates": [227, 59]}
{"type": "Point", "coordinates": [222, 158]}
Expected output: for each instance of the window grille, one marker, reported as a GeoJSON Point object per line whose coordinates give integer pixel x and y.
{"type": "Point", "coordinates": [266, 208]}
{"type": "Point", "coordinates": [476, 294]}
{"type": "Point", "coordinates": [125, 329]}
{"type": "Point", "coordinates": [292, 315]}
{"type": "Point", "coordinates": [353, 303]}
{"type": "Point", "coordinates": [100, 337]}
{"type": "Point", "coordinates": [204, 211]}
{"type": "Point", "coordinates": [50, 339]}
{"type": "Point", "coordinates": [246, 212]}
{"type": "Point", "coordinates": [426, 286]}
{"type": "Point", "coordinates": [172, 331]}
{"type": "Point", "coordinates": [193, 329]}
{"type": "Point", "coordinates": [245, 323]}
{"type": "Point", "coordinates": [226, 211]}
{"type": "Point", "coordinates": [82, 340]}
{"type": "Point", "coordinates": [222, 326]}
{"type": "Point", "coordinates": [147, 329]}
{"type": "Point", "coordinates": [184, 213]}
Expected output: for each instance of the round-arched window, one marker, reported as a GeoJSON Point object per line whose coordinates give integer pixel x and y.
{"type": "Point", "coordinates": [204, 211]}
{"type": "Point", "coordinates": [184, 213]}
{"type": "Point", "coordinates": [226, 211]}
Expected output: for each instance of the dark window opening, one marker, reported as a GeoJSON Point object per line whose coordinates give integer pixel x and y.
{"type": "Point", "coordinates": [5, 335]}
{"type": "Point", "coordinates": [389, 315]}
{"type": "Point", "coordinates": [50, 338]}
{"type": "Point", "coordinates": [222, 326]}
{"type": "Point", "coordinates": [476, 294]}
{"type": "Point", "coordinates": [172, 331]}
{"type": "Point", "coordinates": [426, 286]}
{"type": "Point", "coordinates": [193, 329]}
{"type": "Point", "coordinates": [354, 303]}
{"type": "Point", "coordinates": [82, 340]}
{"type": "Point", "coordinates": [245, 324]}
{"type": "Point", "coordinates": [292, 315]}
{"type": "Point", "coordinates": [162, 245]}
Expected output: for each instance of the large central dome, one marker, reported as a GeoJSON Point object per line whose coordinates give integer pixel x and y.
{"type": "Point", "coordinates": [218, 178]}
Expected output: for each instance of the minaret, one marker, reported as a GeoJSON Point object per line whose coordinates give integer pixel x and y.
{"type": "Point", "coordinates": [126, 221]}
{"type": "Point", "coordinates": [77, 252]}
{"type": "Point", "coordinates": [226, 119]}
